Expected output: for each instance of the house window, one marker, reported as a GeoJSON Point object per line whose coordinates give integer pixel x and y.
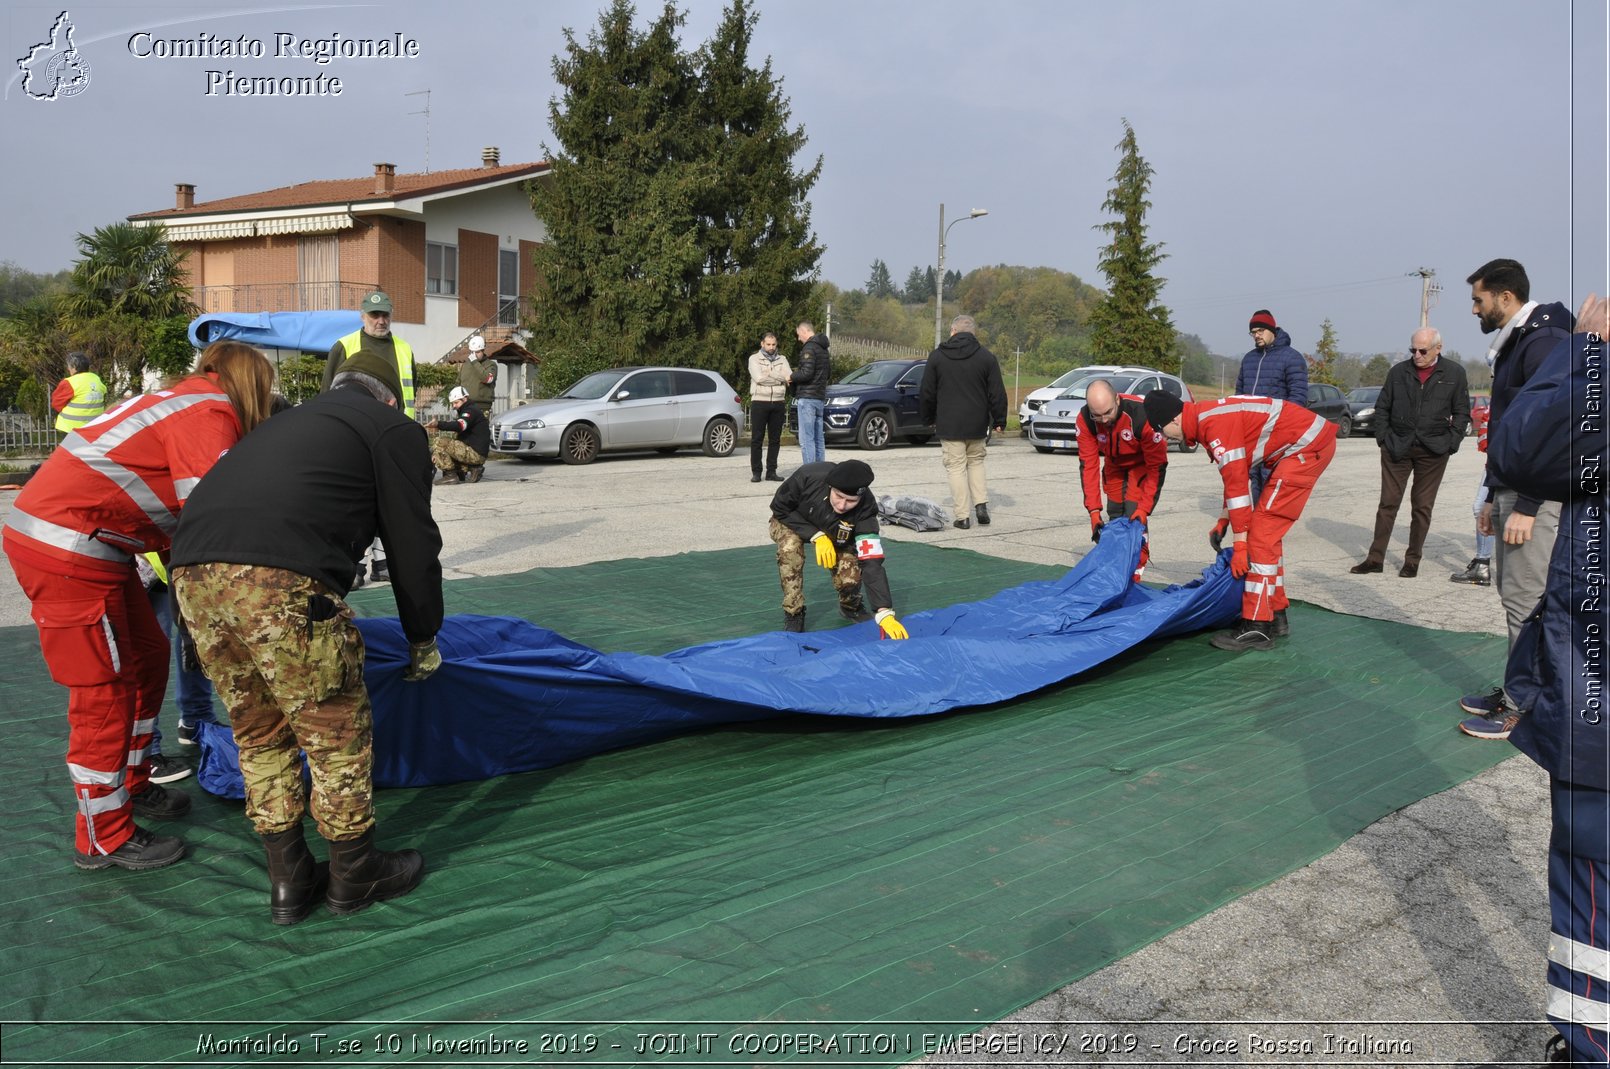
{"type": "Point", "coordinates": [441, 269]}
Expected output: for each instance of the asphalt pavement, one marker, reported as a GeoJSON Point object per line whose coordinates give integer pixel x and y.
{"type": "Point", "coordinates": [1400, 946]}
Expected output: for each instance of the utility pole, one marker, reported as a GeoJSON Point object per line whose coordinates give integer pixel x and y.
{"type": "Point", "coordinates": [1429, 288]}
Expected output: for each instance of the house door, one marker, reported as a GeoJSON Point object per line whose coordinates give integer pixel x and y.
{"type": "Point", "coordinates": [508, 288]}
{"type": "Point", "coordinates": [318, 274]}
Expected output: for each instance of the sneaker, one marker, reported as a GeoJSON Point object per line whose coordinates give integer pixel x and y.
{"type": "Point", "coordinates": [161, 803]}
{"type": "Point", "coordinates": [855, 613]}
{"type": "Point", "coordinates": [143, 850]}
{"type": "Point", "coordinates": [167, 769]}
{"type": "Point", "coordinates": [1497, 726]}
{"type": "Point", "coordinates": [187, 734]}
{"type": "Point", "coordinates": [1483, 704]}
{"type": "Point", "coordinates": [1479, 572]}
{"type": "Point", "coordinates": [1245, 635]}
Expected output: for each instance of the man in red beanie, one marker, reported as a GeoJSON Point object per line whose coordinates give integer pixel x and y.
{"type": "Point", "coordinates": [1241, 435]}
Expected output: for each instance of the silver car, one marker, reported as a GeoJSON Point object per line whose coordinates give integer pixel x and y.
{"type": "Point", "coordinates": [1057, 425]}
{"type": "Point", "coordinates": [625, 408]}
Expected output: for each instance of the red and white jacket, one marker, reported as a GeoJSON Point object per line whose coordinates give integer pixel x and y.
{"type": "Point", "coordinates": [1128, 445]}
{"type": "Point", "coordinates": [114, 488]}
{"type": "Point", "coordinates": [1241, 431]}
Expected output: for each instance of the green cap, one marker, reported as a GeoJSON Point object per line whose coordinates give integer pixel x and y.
{"type": "Point", "coordinates": [376, 302]}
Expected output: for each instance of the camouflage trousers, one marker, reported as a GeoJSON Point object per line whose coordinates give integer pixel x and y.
{"type": "Point", "coordinates": [792, 552]}
{"type": "Point", "coordinates": [453, 456]}
{"type": "Point", "coordinates": [283, 653]}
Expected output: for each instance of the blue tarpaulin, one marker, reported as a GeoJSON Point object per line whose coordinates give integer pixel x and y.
{"type": "Point", "coordinates": [308, 332]}
{"type": "Point", "coordinates": [513, 697]}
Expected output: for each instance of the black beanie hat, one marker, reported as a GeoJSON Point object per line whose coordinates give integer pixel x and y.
{"type": "Point", "coordinates": [376, 367]}
{"type": "Point", "coordinates": [850, 477]}
{"type": "Point", "coordinates": [1161, 408]}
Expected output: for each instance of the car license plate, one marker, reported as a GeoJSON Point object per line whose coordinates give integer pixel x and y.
{"type": "Point", "coordinates": [511, 439]}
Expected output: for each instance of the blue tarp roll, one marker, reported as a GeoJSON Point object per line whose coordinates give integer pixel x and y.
{"type": "Point", "coordinates": [308, 332]}
{"type": "Point", "coordinates": [513, 697]}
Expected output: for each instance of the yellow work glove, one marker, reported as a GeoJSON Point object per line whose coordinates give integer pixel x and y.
{"type": "Point", "coordinates": [826, 555]}
{"type": "Point", "coordinates": [892, 628]}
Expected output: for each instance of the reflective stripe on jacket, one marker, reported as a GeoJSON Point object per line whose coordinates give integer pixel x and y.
{"type": "Point", "coordinates": [405, 366]}
{"type": "Point", "coordinates": [89, 401]}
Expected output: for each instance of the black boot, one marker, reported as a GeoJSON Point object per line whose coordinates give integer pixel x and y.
{"type": "Point", "coordinates": [1282, 628]}
{"type": "Point", "coordinates": [296, 882]}
{"type": "Point", "coordinates": [1478, 573]}
{"type": "Point", "coordinates": [360, 874]}
{"type": "Point", "coordinates": [1245, 635]}
{"type": "Point", "coordinates": [982, 512]}
{"type": "Point", "coordinates": [794, 621]}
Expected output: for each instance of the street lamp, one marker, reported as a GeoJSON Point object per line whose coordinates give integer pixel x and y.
{"type": "Point", "coordinates": [939, 277]}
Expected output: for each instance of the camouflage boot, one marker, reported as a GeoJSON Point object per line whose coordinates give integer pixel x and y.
{"type": "Point", "coordinates": [360, 874]}
{"type": "Point", "coordinates": [295, 881]}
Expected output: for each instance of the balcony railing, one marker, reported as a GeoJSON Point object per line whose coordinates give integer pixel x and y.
{"type": "Point", "coordinates": [283, 296]}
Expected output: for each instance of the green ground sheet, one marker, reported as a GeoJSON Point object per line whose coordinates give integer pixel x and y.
{"type": "Point", "coordinates": [820, 875]}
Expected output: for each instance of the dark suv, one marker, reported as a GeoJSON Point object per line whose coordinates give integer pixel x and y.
{"type": "Point", "coordinates": [876, 403]}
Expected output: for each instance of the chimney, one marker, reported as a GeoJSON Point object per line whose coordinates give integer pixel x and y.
{"type": "Point", "coordinates": [184, 196]}
{"type": "Point", "coordinates": [489, 156]}
{"type": "Point", "coordinates": [385, 178]}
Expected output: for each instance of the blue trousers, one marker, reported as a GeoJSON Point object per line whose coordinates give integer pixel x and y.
{"type": "Point", "coordinates": [1579, 912]}
{"type": "Point", "coordinates": [192, 688]}
{"type": "Point", "coordinates": [811, 446]}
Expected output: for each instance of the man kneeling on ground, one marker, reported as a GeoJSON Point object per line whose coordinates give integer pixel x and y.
{"type": "Point", "coordinates": [828, 505]}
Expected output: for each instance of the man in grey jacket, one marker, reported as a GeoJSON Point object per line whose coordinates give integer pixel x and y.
{"type": "Point", "coordinates": [768, 404]}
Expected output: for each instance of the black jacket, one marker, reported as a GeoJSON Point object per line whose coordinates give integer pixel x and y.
{"type": "Point", "coordinates": [1523, 353]}
{"type": "Point", "coordinates": [1436, 414]}
{"type": "Point", "coordinates": [308, 489]}
{"type": "Point", "coordinates": [801, 504]}
{"type": "Point", "coordinates": [470, 426]}
{"type": "Point", "coordinates": [814, 369]}
{"type": "Point", "coordinates": [962, 393]}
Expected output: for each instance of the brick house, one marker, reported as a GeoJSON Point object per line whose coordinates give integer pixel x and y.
{"type": "Point", "coordinates": [452, 248]}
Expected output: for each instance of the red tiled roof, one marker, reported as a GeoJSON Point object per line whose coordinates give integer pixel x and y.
{"type": "Point", "coordinates": [352, 190]}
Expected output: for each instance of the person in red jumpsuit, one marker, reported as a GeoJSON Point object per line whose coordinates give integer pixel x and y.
{"type": "Point", "coordinates": [1295, 445]}
{"type": "Point", "coordinates": [1121, 456]}
{"type": "Point", "coordinates": [111, 491]}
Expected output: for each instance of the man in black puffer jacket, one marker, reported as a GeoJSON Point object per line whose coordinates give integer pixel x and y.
{"type": "Point", "coordinates": [963, 397]}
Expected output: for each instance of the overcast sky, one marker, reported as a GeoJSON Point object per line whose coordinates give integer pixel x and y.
{"type": "Point", "coordinates": [1308, 157]}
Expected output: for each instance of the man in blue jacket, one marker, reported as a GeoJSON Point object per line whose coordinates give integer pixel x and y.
{"type": "Point", "coordinates": [1552, 444]}
{"type": "Point", "coordinates": [1272, 369]}
{"type": "Point", "coordinates": [1525, 524]}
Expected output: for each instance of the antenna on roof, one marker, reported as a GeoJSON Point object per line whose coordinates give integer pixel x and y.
{"type": "Point", "coordinates": [426, 112]}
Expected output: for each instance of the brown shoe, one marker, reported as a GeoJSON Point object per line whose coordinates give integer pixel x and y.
{"type": "Point", "coordinates": [1409, 571]}
{"type": "Point", "coordinates": [1365, 567]}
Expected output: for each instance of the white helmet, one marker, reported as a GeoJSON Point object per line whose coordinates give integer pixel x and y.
{"type": "Point", "coordinates": [457, 394]}
{"type": "Point", "coordinates": [477, 344]}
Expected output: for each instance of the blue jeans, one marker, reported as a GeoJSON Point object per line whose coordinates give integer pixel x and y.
{"type": "Point", "coordinates": [811, 447]}
{"type": "Point", "coordinates": [193, 690]}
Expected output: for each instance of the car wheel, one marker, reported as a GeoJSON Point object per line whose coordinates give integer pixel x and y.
{"type": "Point", "coordinates": [874, 431]}
{"type": "Point", "coordinates": [720, 437]}
{"type": "Point", "coordinates": [1043, 449]}
{"type": "Point", "coordinates": [579, 445]}
{"type": "Point", "coordinates": [919, 439]}
{"type": "Point", "coordinates": [1344, 429]}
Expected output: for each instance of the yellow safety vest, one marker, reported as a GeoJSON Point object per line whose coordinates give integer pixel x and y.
{"type": "Point", "coordinates": [405, 366]}
{"type": "Point", "coordinates": [89, 401]}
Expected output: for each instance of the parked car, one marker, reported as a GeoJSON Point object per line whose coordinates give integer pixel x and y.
{"type": "Point", "coordinates": [1361, 404]}
{"type": "Point", "coordinates": [1327, 401]}
{"type": "Point", "coordinates": [876, 403]}
{"type": "Point", "coordinates": [1036, 400]}
{"type": "Point", "coordinates": [1057, 424]}
{"type": "Point", "coordinates": [625, 408]}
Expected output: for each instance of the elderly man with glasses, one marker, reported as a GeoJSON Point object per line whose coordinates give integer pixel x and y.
{"type": "Point", "coordinates": [1421, 417]}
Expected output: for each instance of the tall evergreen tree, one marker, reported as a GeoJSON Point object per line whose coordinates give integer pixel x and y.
{"type": "Point", "coordinates": [678, 227]}
{"type": "Point", "coordinates": [879, 283]}
{"type": "Point", "coordinates": [760, 255]}
{"type": "Point", "coordinates": [919, 286]}
{"type": "Point", "coordinates": [1323, 367]}
{"type": "Point", "coordinates": [1129, 326]}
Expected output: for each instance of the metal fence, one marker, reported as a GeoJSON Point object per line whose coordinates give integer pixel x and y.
{"type": "Point", "coordinates": [282, 296]}
{"type": "Point", "coordinates": [23, 436]}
